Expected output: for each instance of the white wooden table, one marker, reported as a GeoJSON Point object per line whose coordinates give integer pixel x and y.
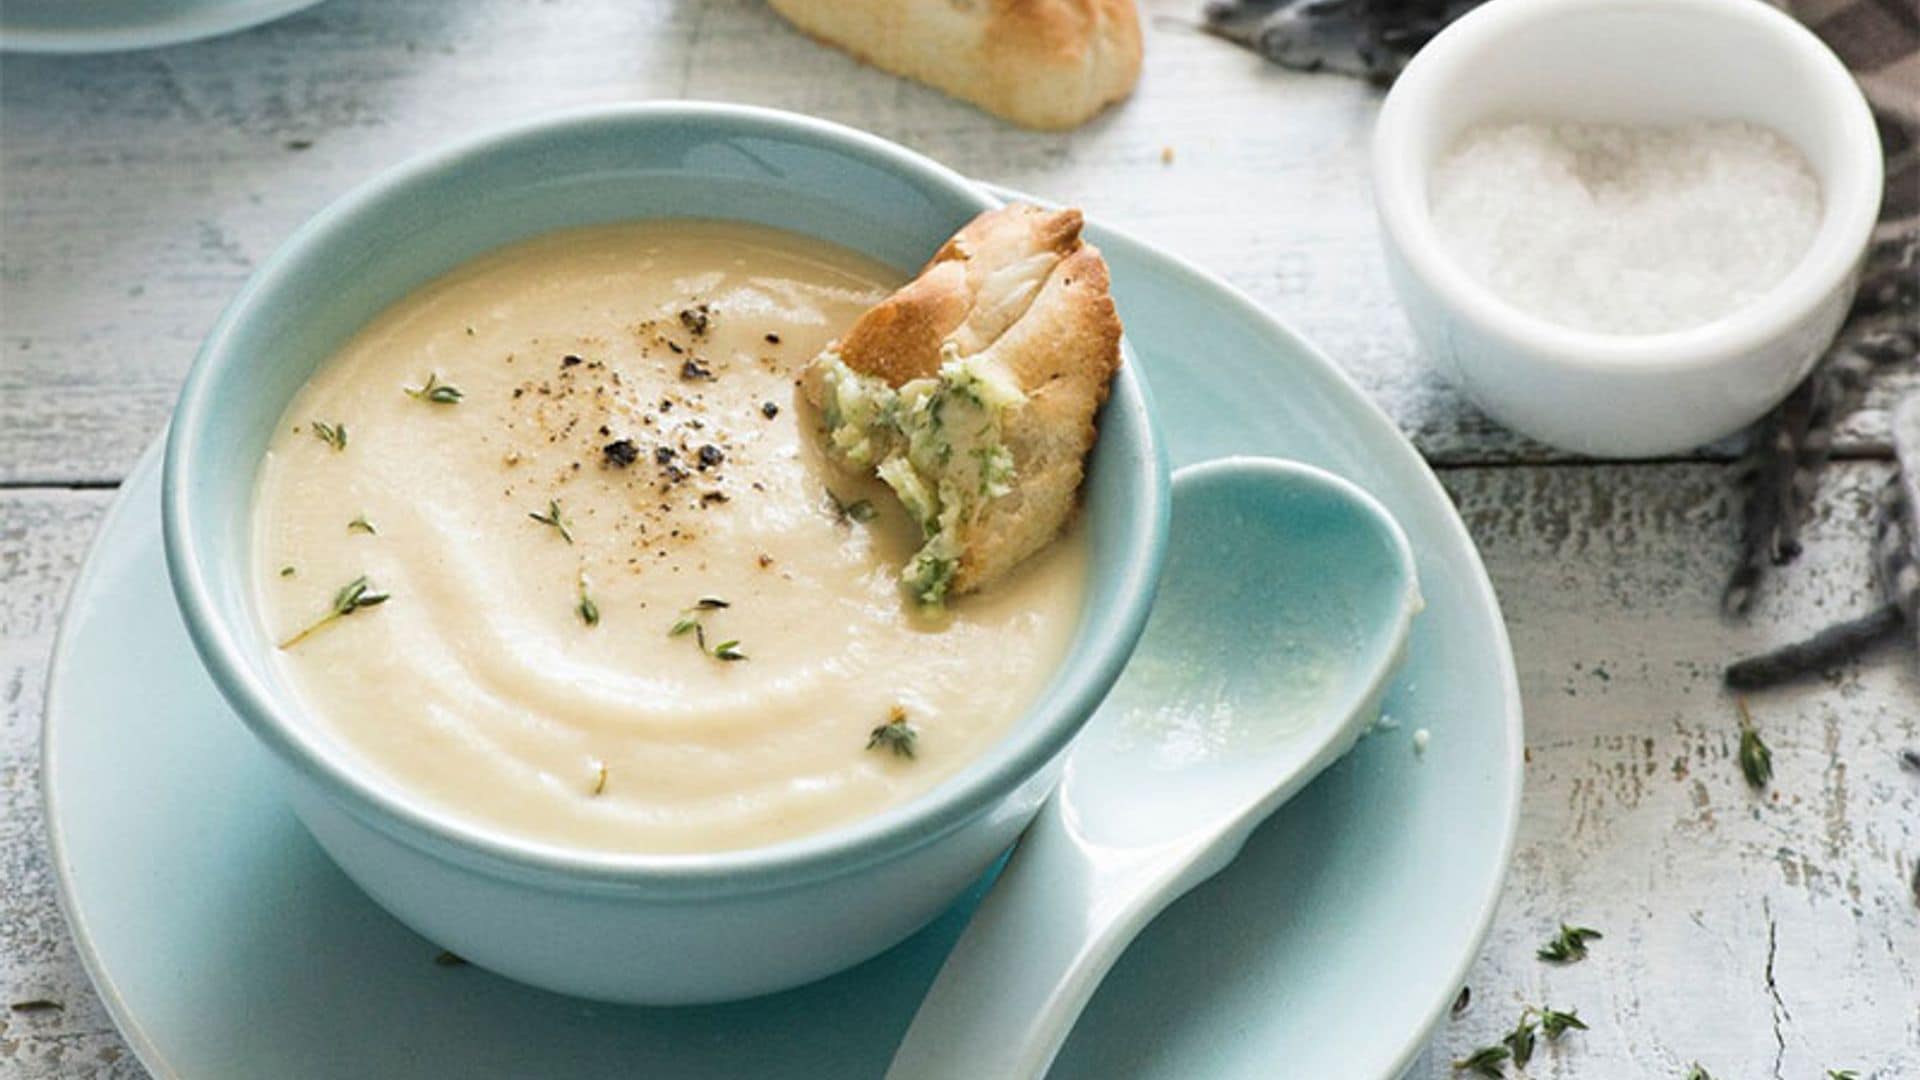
{"type": "Point", "coordinates": [1764, 935]}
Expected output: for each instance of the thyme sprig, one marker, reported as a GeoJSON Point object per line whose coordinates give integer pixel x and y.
{"type": "Point", "coordinates": [353, 596]}
{"type": "Point", "coordinates": [435, 391]}
{"type": "Point", "coordinates": [588, 611]}
{"type": "Point", "coordinates": [1518, 1045]}
{"type": "Point", "coordinates": [334, 435]}
{"type": "Point", "coordinates": [1569, 945]}
{"type": "Point", "coordinates": [554, 518]}
{"type": "Point", "coordinates": [895, 735]}
{"type": "Point", "coordinates": [361, 524]}
{"type": "Point", "coordinates": [1756, 760]}
{"type": "Point", "coordinates": [690, 622]}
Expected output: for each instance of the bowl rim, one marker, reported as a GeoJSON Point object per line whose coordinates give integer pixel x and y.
{"type": "Point", "coordinates": [1850, 204]}
{"type": "Point", "coordinates": [1020, 755]}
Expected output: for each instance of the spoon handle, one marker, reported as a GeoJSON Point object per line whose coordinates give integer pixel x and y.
{"type": "Point", "coordinates": [1051, 927]}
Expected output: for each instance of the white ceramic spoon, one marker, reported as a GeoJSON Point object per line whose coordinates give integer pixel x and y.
{"type": "Point", "coordinates": [1284, 608]}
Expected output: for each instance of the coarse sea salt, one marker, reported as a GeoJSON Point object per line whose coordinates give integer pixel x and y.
{"type": "Point", "coordinates": [1625, 229]}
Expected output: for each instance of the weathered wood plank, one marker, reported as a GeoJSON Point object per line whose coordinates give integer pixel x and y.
{"type": "Point", "coordinates": [42, 537]}
{"type": "Point", "coordinates": [140, 190]}
{"type": "Point", "coordinates": [1762, 934]}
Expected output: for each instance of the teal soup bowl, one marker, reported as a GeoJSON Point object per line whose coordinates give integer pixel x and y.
{"type": "Point", "coordinates": [659, 929]}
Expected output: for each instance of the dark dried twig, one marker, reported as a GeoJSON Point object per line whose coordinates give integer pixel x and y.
{"type": "Point", "coordinates": [1822, 652]}
{"type": "Point", "coordinates": [1896, 537]}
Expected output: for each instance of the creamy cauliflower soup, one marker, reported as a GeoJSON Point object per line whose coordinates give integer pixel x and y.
{"type": "Point", "coordinates": [551, 543]}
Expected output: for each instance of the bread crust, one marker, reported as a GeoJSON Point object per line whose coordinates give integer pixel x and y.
{"type": "Point", "coordinates": [1048, 64]}
{"type": "Point", "coordinates": [1018, 286]}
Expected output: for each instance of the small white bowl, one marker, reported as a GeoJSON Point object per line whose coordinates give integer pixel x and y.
{"type": "Point", "coordinates": [1633, 62]}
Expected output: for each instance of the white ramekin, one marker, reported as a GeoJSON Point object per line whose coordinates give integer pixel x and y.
{"type": "Point", "coordinates": [1638, 62]}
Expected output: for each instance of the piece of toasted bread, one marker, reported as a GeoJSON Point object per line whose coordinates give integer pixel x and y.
{"type": "Point", "coordinates": [1046, 64]}
{"type": "Point", "coordinates": [1019, 290]}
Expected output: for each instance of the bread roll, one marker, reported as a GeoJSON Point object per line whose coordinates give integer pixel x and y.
{"type": "Point", "coordinates": [1048, 64]}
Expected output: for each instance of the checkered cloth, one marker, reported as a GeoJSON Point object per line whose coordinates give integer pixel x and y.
{"type": "Point", "coordinates": [1880, 42]}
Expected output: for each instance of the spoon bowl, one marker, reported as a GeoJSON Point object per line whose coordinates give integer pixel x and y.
{"type": "Point", "coordinates": [1283, 611]}
{"type": "Point", "coordinates": [1287, 599]}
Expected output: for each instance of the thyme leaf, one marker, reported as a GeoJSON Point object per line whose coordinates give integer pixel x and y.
{"type": "Point", "coordinates": [361, 524]}
{"type": "Point", "coordinates": [435, 391]}
{"type": "Point", "coordinates": [1555, 1023]}
{"type": "Point", "coordinates": [689, 623]}
{"type": "Point", "coordinates": [36, 1005]}
{"type": "Point", "coordinates": [895, 735]}
{"type": "Point", "coordinates": [450, 959]}
{"type": "Point", "coordinates": [600, 781]}
{"type": "Point", "coordinates": [1842, 1074]}
{"type": "Point", "coordinates": [334, 435]}
{"type": "Point", "coordinates": [1698, 1072]}
{"type": "Point", "coordinates": [1519, 1042]}
{"type": "Point", "coordinates": [1756, 760]}
{"type": "Point", "coordinates": [588, 611]}
{"type": "Point", "coordinates": [1569, 945]}
{"type": "Point", "coordinates": [1487, 1061]}
{"type": "Point", "coordinates": [554, 518]}
{"type": "Point", "coordinates": [286, 571]}
{"type": "Point", "coordinates": [860, 510]}
{"type": "Point", "coordinates": [353, 596]}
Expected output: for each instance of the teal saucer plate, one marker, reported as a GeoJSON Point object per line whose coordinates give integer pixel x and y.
{"type": "Point", "coordinates": [225, 944]}
{"type": "Point", "coordinates": [95, 26]}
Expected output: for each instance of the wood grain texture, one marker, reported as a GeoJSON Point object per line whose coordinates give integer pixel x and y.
{"type": "Point", "coordinates": [1768, 934]}
{"type": "Point", "coordinates": [141, 189]}
{"type": "Point", "coordinates": [43, 535]}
